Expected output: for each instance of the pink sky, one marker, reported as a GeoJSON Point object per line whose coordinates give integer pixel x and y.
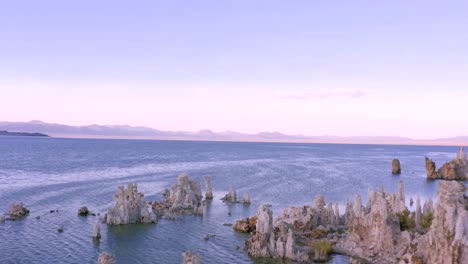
{"type": "Point", "coordinates": [394, 108]}
{"type": "Point", "coordinates": [345, 68]}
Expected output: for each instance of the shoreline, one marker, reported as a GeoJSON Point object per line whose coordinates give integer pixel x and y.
{"type": "Point", "coordinates": [325, 142]}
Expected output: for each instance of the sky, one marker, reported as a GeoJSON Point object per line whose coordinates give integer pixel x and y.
{"type": "Point", "coordinates": [345, 68]}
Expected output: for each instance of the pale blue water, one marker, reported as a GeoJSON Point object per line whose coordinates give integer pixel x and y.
{"type": "Point", "coordinates": [52, 173]}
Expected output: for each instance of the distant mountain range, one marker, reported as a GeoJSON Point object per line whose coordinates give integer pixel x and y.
{"type": "Point", "coordinates": [140, 132]}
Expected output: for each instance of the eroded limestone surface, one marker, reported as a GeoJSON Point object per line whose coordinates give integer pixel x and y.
{"type": "Point", "coordinates": [184, 198]}
{"type": "Point", "coordinates": [382, 231]}
{"type": "Point", "coordinates": [129, 207]}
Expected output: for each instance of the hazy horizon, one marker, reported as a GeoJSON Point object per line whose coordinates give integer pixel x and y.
{"type": "Point", "coordinates": [122, 131]}
{"type": "Point", "coordinates": [337, 68]}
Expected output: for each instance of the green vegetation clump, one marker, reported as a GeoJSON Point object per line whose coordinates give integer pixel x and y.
{"type": "Point", "coordinates": [406, 219]}
{"type": "Point", "coordinates": [323, 246]}
{"type": "Point", "coordinates": [322, 249]}
{"type": "Point", "coordinates": [426, 220]}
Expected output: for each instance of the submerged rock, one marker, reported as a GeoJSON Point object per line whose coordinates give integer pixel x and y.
{"type": "Point", "coordinates": [17, 211]}
{"type": "Point", "coordinates": [209, 191]}
{"type": "Point", "coordinates": [83, 211]}
{"type": "Point", "coordinates": [231, 196]}
{"type": "Point", "coordinates": [129, 207]}
{"type": "Point", "coordinates": [191, 258]}
{"type": "Point", "coordinates": [431, 169]}
{"type": "Point", "coordinates": [396, 168]}
{"type": "Point", "coordinates": [106, 258]}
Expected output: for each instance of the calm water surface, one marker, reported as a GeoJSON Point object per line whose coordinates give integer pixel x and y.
{"type": "Point", "coordinates": [65, 174]}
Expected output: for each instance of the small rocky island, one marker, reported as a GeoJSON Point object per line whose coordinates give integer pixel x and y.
{"type": "Point", "coordinates": [456, 169]}
{"type": "Point", "coordinates": [396, 167]}
{"type": "Point", "coordinates": [22, 134]}
{"type": "Point", "coordinates": [184, 198]}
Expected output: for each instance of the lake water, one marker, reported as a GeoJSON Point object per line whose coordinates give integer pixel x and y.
{"type": "Point", "coordinates": [65, 174]}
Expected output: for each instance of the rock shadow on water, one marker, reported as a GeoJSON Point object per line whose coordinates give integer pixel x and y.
{"type": "Point", "coordinates": [124, 231]}
{"type": "Point", "coordinates": [335, 259]}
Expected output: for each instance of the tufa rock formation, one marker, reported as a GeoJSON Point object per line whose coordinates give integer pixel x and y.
{"type": "Point", "coordinates": [448, 236]}
{"type": "Point", "coordinates": [247, 225]}
{"type": "Point", "coordinates": [231, 196]}
{"type": "Point", "coordinates": [106, 258]}
{"type": "Point", "coordinates": [129, 208]}
{"type": "Point", "coordinates": [209, 192]}
{"type": "Point", "coordinates": [191, 258]}
{"type": "Point", "coordinates": [374, 229]}
{"type": "Point", "coordinates": [185, 197]}
{"type": "Point", "coordinates": [275, 241]}
{"type": "Point", "coordinates": [97, 230]}
{"type": "Point", "coordinates": [430, 169]}
{"type": "Point", "coordinates": [17, 211]}
{"type": "Point", "coordinates": [447, 239]}
{"type": "Point", "coordinates": [384, 231]}
{"type": "Point", "coordinates": [396, 168]}
{"type": "Point", "coordinates": [457, 169]}
{"type": "Point", "coordinates": [246, 198]}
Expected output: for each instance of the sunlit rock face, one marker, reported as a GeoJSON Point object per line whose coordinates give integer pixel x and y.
{"type": "Point", "coordinates": [17, 211]}
{"type": "Point", "coordinates": [129, 207]}
{"type": "Point", "coordinates": [431, 169]}
{"type": "Point", "coordinates": [396, 167]}
{"type": "Point", "coordinates": [247, 225]}
{"type": "Point", "coordinates": [456, 169]}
